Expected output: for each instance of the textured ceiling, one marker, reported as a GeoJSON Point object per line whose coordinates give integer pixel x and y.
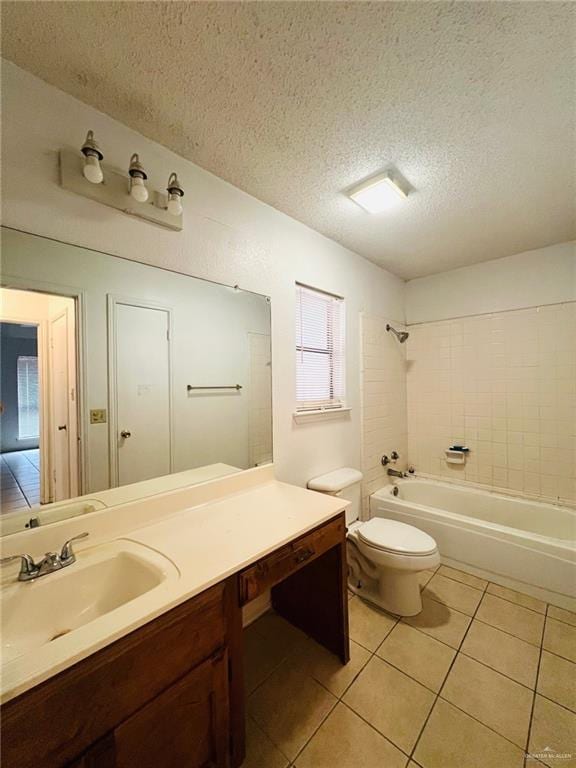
{"type": "Point", "coordinates": [472, 102]}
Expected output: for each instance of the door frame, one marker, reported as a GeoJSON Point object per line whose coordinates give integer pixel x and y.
{"type": "Point", "coordinates": [72, 431]}
{"type": "Point", "coordinates": [82, 416]}
{"type": "Point", "coordinates": [113, 300]}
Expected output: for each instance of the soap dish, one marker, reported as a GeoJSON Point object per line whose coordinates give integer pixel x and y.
{"type": "Point", "coordinates": [456, 456]}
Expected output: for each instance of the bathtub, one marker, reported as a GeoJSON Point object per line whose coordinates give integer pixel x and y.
{"type": "Point", "coordinates": [513, 541]}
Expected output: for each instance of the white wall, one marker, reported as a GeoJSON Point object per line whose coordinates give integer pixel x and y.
{"type": "Point", "coordinates": [228, 236]}
{"type": "Point", "coordinates": [530, 279]}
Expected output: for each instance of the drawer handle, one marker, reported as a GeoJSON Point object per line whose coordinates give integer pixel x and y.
{"type": "Point", "coordinates": [303, 555]}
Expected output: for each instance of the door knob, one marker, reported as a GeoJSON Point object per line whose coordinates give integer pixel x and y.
{"type": "Point", "coordinates": [62, 427]}
{"type": "Point", "coordinates": [125, 433]}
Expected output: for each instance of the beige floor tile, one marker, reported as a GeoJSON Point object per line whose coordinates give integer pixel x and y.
{"type": "Point", "coordinates": [553, 734]}
{"type": "Point", "coordinates": [346, 741]}
{"type": "Point", "coordinates": [289, 707]}
{"type": "Point", "coordinates": [465, 578]}
{"type": "Point", "coordinates": [454, 594]}
{"type": "Point", "coordinates": [281, 633]}
{"type": "Point", "coordinates": [560, 638]}
{"type": "Point", "coordinates": [502, 652]}
{"type": "Point", "coordinates": [424, 577]}
{"type": "Point", "coordinates": [511, 618]}
{"type": "Point", "coordinates": [451, 739]}
{"type": "Point", "coordinates": [440, 621]}
{"type": "Point", "coordinates": [495, 700]}
{"type": "Point", "coordinates": [393, 703]}
{"type": "Point", "coordinates": [368, 625]}
{"type": "Point", "coordinates": [557, 680]}
{"type": "Point", "coordinates": [418, 655]}
{"type": "Point", "coordinates": [261, 658]}
{"type": "Point", "coordinates": [527, 601]}
{"type": "Point", "coordinates": [260, 751]}
{"type": "Point", "coordinates": [326, 668]}
{"type": "Point", "coordinates": [562, 615]}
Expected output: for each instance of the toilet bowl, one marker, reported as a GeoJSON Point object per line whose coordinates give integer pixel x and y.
{"type": "Point", "coordinates": [385, 557]}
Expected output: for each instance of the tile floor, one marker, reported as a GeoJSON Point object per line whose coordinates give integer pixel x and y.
{"type": "Point", "coordinates": [19, 480]}
{"type": "Point", "coordinates": [484, 677]}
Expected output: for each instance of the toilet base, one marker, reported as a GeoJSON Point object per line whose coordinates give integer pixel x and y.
{"type": "Point", "coordinates": [394, 592]}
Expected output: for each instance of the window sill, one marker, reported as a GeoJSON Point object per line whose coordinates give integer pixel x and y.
{"type": "Point", "coordinates": [303, 417]}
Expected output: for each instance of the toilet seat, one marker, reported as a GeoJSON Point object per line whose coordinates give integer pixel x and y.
{"type": "Point", "coordinates": [396, 538]}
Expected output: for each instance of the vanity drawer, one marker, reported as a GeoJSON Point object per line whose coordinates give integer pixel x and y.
{"type": "Point", "coordinates": [288, 559]}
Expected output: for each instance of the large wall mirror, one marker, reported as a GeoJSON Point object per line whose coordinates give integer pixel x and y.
{"type": "Point", "coordinates": [120, 380]}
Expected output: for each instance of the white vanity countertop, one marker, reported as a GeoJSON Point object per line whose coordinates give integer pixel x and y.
{"type": "Point", "coordinates": [234, 522]}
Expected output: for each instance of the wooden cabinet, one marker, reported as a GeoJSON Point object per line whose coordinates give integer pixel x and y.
{"type": "Point", "coordinates": [173, 671]}
{"type": "Point", "coordinates": [171, 693]}
{"type": "Point", "coordinates": [187, 725]}
{"type": "Point", "coordinates": [278, 565]}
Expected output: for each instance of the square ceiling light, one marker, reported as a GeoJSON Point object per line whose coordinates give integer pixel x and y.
{"type": "Point", "coordinates": [377, 194]}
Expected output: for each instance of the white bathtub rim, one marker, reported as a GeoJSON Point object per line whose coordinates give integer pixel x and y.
{"type": "Point", "coordinates": [385, 496]}
{"type": "Point", "coordinates": [553, 501]}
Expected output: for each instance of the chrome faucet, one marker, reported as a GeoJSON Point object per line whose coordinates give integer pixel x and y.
{"type": "Point", "coordinates": [50, 563]}
{"type": "Point", "coordinates": [394, 472]}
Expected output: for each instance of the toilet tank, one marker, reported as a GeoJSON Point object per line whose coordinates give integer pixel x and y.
{"type": "Point", "coordinates": [344, 483]}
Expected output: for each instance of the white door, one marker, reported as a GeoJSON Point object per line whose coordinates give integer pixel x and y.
{"type": "Point", "coordinates": [142, 388]}
{"type": "Point", "coordinates": [60, 426]}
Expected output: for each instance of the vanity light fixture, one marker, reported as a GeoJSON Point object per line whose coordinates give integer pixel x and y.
{"type": "Point", "coordinates": [84, 174]}
{"type": "Point", "coordinates": [92, 154]}
{"type": "Point", "coordinates": [175, 195]}
{"type": "Point", "coordinates": [138, 177]}
{"type": "Point", "coordinates": [377, 194]}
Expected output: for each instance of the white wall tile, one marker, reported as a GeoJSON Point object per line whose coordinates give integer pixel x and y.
{"type": "Point", "coordinates": [510, 396]}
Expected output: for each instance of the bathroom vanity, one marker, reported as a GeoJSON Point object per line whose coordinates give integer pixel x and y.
{"type": "Point", "coordinates": [166, 689]}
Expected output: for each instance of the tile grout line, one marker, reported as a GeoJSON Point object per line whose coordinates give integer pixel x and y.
{"type": "Point", "coordinates": [24, 497]}
{"type": "Point", "coordinates": [526, 751]}
{"type": "Point", "coordinates": [458, 651]}
{"type": "Point", "coordinates": [433, 707]}
{"type": "Point", "coordinates": [339, 699]}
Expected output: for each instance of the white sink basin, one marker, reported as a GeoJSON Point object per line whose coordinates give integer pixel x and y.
{"type": "Point", "coordinates": [102, 579]}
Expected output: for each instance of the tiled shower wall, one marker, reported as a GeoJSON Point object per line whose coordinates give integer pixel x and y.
{"type": "Point", "coordinates": [505, 385]}
{"type": "Point", "coordinates": [384, 426]}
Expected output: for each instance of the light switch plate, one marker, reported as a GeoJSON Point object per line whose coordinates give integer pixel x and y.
{"type": "Point", "coordinates": [98, 416]}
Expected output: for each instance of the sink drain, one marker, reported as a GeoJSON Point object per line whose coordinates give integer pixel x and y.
{"type": "Point", "coordinates": [59, 634]}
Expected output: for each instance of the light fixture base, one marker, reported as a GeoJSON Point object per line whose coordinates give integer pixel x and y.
{"type": "Point", "coordinates": [114, 192]}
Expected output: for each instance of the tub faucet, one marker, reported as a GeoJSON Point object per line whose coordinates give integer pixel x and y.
{"type": "Point", "coordinates": [394, 472]}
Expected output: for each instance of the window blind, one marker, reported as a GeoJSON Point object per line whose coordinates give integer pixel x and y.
{"type": "Point", "coordinates": [320, 348]}
{"type": "Point", "coordinates": [27, 384]}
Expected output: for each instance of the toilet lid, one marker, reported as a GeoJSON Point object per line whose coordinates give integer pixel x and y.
{"type": "Point", "coordinates": [392, 536]}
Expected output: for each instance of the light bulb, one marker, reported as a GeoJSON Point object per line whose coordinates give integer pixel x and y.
{"type": "Point", "coordinates": [92, 171]}
{"type": "Point", "coordinates": [138, 189]}
{"type": "Point", "coordinates": [174, 204]}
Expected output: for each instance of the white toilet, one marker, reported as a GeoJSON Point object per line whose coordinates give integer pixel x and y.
{"type": "Point", "coordinates": [384, 556]}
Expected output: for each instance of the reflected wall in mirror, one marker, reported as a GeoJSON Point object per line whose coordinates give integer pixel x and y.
{"type": "Point", "coordinates": [120, 380]}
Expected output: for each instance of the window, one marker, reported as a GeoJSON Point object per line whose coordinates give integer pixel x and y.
{"type": "Point", "coordinates": [320, 365]}
{"type": "Point", "coordinates": [28, 412]}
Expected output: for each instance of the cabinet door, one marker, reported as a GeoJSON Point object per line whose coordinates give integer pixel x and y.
{"type": "Point", "coordinates": [187, 725]}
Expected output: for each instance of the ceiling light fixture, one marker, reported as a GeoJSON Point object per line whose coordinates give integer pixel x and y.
{"type": "Point", "coordinates": [377, 194]}
{"type": "Point", "coordinates": [137, 178]}
{"type": "Point", "coordinates": [175, 195]}
{"type": "Point", "coordinates": [92, 154]}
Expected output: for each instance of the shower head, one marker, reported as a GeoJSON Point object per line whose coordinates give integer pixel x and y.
{"type": "Point", "coordinates": [400, 335]}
